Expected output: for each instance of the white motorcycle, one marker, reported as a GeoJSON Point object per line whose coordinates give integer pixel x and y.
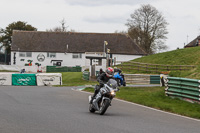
{"type": "Point", "coordinates": [104, 97]}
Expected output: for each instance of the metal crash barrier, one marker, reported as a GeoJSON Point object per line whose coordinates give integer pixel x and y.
{"type": "Point", "coordinates": [183, 88]}
{"type": "Point", "coordinates": [142, 79]}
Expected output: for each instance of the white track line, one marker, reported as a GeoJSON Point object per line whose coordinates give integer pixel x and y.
{"type": "Point", "coordinates": [146, 107]}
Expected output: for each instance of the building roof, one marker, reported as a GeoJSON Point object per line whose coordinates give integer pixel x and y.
{"type": "Point", "coordinates": [73, 42]}
{"type": "Point", "coordinates": [193, 43]}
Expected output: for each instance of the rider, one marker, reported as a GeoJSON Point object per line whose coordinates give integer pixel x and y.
{"type": "Point", "coordinates": [118, 75]}
{"type": "Point", "coordinates": [117, 70]}
{"type": "Point", "coordinates": [102, 79]}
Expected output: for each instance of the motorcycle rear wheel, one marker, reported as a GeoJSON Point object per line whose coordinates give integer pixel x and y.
{"type": "Point", "coordinates": [104, 107]}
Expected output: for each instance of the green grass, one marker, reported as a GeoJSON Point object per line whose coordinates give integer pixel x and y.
{"type": "Point", "coordinates": [187, 56]}
{"type": "Point", "coordinates": [8, 71]}
{"type": "Point", "coordinates": [155, 97]}
{"type": "Point", "coordinates": [75, 79]}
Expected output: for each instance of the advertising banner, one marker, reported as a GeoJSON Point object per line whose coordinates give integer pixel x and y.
{"type": "Point", "coordinates": [5, 78]}
{"type": "Point", "coordinates": [24, 79]}
{"type": "Point", "coordinates": [44, 79]}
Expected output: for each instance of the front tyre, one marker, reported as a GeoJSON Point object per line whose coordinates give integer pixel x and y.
{"type": "Point", "coordinates": [91, 109]}
{"type": "Point", "coordinates": [104, 106]}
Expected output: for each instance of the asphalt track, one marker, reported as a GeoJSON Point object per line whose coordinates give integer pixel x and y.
{"type": "Point", "coordinates": [65, 110]}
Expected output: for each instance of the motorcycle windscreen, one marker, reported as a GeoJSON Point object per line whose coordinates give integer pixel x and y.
{"type": "Point", "coordinates": [112, 83]}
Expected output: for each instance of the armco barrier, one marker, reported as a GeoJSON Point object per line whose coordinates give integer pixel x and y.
{"type": "Point", "coordinates": [86, 75]}
{"type": "Point", "coordinates": [63, 69]}
{"type": "Point", "coordinates": [184, 88]}
{"type": "Point", "coordinates": [154, 79]}
{"type": "Point", "coordinates": [142, 79]}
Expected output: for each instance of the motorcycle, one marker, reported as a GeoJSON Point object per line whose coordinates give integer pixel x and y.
{"type": "Point", "coordinates": [104, 97]}
{"type": "Point", "coordinates": [120, 79]}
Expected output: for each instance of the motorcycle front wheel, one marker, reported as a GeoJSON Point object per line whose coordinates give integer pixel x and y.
{"type": "Point", "coordinates": [91, 109]}
{"type": "Point", "coordinates": [104, 106]}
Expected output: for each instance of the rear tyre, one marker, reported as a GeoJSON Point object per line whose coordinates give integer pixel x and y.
{"type": "Point", "coordinates": [124, 83]}
{"type": "Point", "coordinates": [91, 109]}
{"type": "Point", "coordinates": [104, 106]}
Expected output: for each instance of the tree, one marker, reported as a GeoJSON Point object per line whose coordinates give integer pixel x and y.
{"type": "Point", "coordinates": [121, 32]}
{"type": "Point", "coordinates": [148, 28]}
{"type": "Point", "coordinates": [59, 29]}
{"type": "Point", "coordinates": [6, 34]}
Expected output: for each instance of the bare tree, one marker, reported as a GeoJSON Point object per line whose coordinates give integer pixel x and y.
{"type": "Point", "coordinates": [63, 28]}
{"type": "Point", "coordinates": [148, 28]}
{"type": "Point", "coordinates": [63, 22]}
{"type": "Point", "coordinates": [122, 32]}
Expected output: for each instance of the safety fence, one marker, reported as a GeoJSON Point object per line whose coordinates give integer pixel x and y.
{"type": "Point", "coordinates": [131, 66]}
{"type": "Point", "coordinates": [183, 88]}
{"type": "Point", "coordinates": [63, 69]}
{"type": "Point", "coordinates": [40, 79]}
{"type": "Point", "coordinates": [132, 78]}
{"type": "Point", "coordinates": [86, 75]}
{"type": "Point", "coordinates": [142, 79]}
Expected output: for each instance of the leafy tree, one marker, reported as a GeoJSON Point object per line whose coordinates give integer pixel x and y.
{"type": "Point", "coordinates": [6, 34]}
{"type": "Point", "coordinates": [148, 28]}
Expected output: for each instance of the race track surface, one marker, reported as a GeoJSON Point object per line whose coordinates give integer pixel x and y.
{"type": "Point", "coordinates": [25, 109]}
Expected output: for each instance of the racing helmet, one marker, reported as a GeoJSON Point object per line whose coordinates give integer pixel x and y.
{"type": "Point", "coordinates": [109, 72]}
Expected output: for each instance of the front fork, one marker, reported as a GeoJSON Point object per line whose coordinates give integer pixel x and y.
{"type": "Point", "coordinates": [109, 99]}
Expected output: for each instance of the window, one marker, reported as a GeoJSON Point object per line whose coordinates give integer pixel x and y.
{"type": "Point", "coordinates": [78, 55]}
{"type": "Point", "coordinates": [25, 54]}
{"type": "Point", "coordinates": [22, 54]}
{"type": "Point", "coordinates": [28, 54]}
{"type": "Point", "coordinates": [57, 62]}
{"type": "Point", "coordinates": [51, 55]}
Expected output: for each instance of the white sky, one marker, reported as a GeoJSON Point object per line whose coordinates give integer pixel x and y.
{"type": "Point", "coordinates": [103, 16]}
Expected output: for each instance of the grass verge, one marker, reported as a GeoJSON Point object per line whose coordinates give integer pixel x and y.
{"type": "Point", "coordinates": [8, 71]}
{"type": "Point", "coordinates": [186, 56]}
{"type": "Point", "coordinates": [75, 79]}
{"type": "Point", "coordinates": [155, 97]}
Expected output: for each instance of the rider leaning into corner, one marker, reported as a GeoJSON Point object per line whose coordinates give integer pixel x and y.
{"type": "Point", "coordinates": [117, 70]}
{"type": "Point", "coordinates": [102, 79]}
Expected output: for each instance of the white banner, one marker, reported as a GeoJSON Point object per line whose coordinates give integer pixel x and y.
{"type": "Point", "coordinates": [5, 78]}
{"type": "Point", "coordinates": [44, 79]}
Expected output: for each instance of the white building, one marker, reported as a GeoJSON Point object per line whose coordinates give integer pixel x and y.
{"type": "Point", "coordinates": [69, 48]}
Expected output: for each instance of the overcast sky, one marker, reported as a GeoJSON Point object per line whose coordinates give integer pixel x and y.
{"type": "Point", "coordinates": [103, 16]}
